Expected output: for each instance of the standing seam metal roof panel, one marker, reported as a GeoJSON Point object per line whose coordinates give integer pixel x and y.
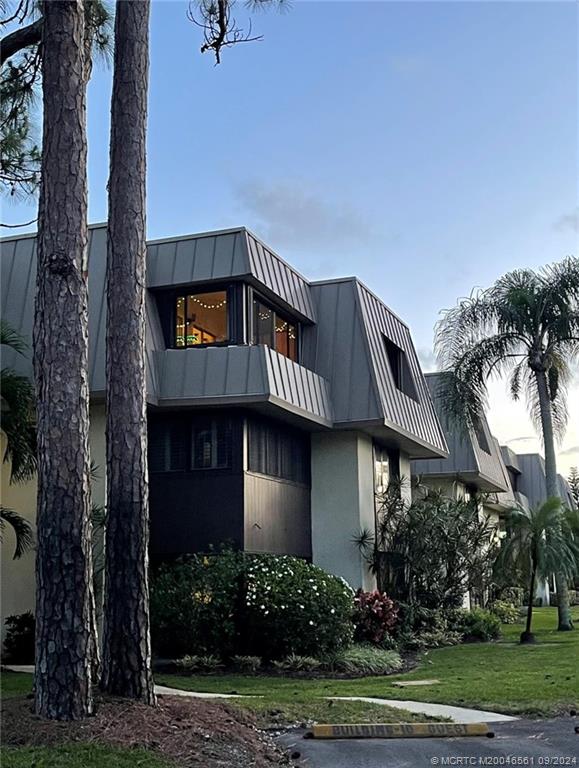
{"type": "Point", "coordinates": [466, 455]}
{"type": "Point", "coordinates": [415, 416]}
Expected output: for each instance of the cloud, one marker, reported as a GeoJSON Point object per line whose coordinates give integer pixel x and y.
{"type": "Point", "coordinates": [292, 214]}
{"type": "Point", "coordinates": [572, 451]}
{"type": "Point", "coordinates": [521, 439]}
{"type": "Point", "coordinates": [568, 221]}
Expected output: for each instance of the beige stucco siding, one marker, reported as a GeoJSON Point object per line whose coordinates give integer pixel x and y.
{"type": "Point", "coordinates": [17, 576]}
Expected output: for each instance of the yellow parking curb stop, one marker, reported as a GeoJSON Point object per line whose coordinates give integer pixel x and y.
{"type": "Point", "coordinates": [398, 731]}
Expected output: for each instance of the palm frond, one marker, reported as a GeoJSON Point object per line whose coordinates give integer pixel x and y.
{"type": "Point", "coordinates": [9, 337]}
{"type": "Point", "coordinates": [463, 391]}
{"type": "Point", "coordinates": [18, 424]}
{"type": "Point", "coordinates": [22, 530]}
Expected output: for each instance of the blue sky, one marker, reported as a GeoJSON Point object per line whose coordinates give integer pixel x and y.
{"type": "Point", "coordinates": [426, 147]}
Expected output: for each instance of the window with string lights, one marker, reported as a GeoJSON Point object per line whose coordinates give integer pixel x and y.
{"type": "Point", "coordinates": [201, 319]}
{"type": "Point", "coordinates": [275, 331]}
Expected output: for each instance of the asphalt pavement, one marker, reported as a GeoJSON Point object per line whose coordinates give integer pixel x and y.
{"type": "Point", "coordinates": [517, 743]}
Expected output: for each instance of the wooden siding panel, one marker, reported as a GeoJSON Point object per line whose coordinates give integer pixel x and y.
{"type": "Point", "coordinates": [277, 516]}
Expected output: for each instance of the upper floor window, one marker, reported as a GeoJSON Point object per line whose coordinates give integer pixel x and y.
{"type": "Point", "coordinates": [400, 369]}
{"type": "Point", "coordinates": [201, 318]}
{"type": "Point", "coordinates": [274, 330]}
{"type": "Point", "coordinates": [481, 437]}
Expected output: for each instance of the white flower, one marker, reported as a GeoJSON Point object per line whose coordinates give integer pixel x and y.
{"type": "Point", "coordinates": [333, 610]}
{"type": "Point", "coordinates": [262, 607]}
{"type": "Point", "coordinates": [301, 606]}
{"type": "Point", "coordinates": [311, 623]}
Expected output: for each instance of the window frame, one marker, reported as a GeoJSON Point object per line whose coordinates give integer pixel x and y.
{"type": "Point", "coordinates": [190, 429]}
{"type": "Point", "coordinates": [228, 288]}
{"type": "Point", "coordinates": [254, 296]}
{"type": "Point", "coordinates": [400, 373]}
{"type": "Point", "coordinates": [278, 443]}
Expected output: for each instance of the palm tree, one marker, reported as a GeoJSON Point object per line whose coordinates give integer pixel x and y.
{"type": "Point", "coordinates": [539, 541]}
{"type": "Point", "coordinates": [526, 325]}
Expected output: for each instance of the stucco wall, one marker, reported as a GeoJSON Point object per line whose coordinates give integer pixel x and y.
{"type": "Point", "coordinates": [342, 503]}
{"type": "Point", "coordinates": [17, 576]}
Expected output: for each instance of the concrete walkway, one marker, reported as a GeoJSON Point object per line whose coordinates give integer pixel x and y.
{"type": "Point", "coordinates": [160, 690]}
{"type": "Point", "coordinates": [456, 714]}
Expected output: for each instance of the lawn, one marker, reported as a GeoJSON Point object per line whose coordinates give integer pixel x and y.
{"type": "Point", "coordinates": [80, 756]}
{"type": "Point", "coordinates": [538, 680]}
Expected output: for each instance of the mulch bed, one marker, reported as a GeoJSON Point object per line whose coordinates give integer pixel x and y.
{"type": "Point", "coordinates": [190, 732]}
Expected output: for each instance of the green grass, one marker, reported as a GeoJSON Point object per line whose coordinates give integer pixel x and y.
{"type": "Point", "coordinates": [15, 684]}
{"type": "Point", "coordinates": [536, 680]}
{"type": "Point", "coordinates": [79, 756]}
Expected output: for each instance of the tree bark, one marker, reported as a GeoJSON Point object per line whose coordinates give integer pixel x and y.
{"type": "Point", "coordinates": [564, 612]}
{"type": "Point", "coordinates": [127, 648]}
{"type": "Point", "coordinates": [63, 562]}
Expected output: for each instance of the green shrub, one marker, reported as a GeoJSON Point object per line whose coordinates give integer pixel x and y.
{"type": "Point", "coordinates": [296, 663]}
{"type": "Point", "coordinates": [192, 605]}
{"type": "Point", "coordinates": [256, 605]}
{"type": "Point", "coordinates": [514, 595]}
{"type": "Point", "coordinates": [193, 664]}
{"type": "Point", "coordinates": [429, 627]}
{"type": "Point", "coordinates": [19, 640]}
{"type": "Point", "coordinates": [479, 625]}
{"type": "Point", "coordinates": [505, 611]}
{"type": "Point", "coordinates": [291, 606]}
{"type": "Point", "coordinates": [247, 663]}
{"type": "Point", "coordinates": [573, 597]}
{"type": "Point", "coordinates": [367, 660]}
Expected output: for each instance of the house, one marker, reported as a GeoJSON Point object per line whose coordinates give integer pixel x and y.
{"type": "Point", "coordinates": [528, 484]}
{"type": "Point", "coordinates": [474, 465]}
{"type": "Point", "coordinates": [276, 405]}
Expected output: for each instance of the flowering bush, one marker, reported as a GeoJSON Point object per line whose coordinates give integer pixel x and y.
{"type": "Point", "coordinates": [375, 616]}
{"type": "Point", "coordinates": [260, 605]}
{"type": "Point", "coordinates": [291, 606]}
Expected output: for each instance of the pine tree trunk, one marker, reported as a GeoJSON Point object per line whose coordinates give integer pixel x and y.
{"type": "Point", "coordinates": [126, 640]}
{"type": "Point", "coordinates": [63, 561]}
{"type": "Point", "coordinates": [564, 612]}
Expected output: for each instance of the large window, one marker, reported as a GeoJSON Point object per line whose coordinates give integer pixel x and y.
{"type": "Point", "coordinates": [278, 451]}
{"type": "Point", "coordinates": [190, 443]}
{"type": "Point", "coordinates": [201, 318]}
{"type": "Point", "coordinates": [274, 330]}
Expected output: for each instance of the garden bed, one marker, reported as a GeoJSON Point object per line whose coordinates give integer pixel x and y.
{"type": "Point", "coordinates": [173, 668]}
{"type": "Point", "coordinates": [185, 732]}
